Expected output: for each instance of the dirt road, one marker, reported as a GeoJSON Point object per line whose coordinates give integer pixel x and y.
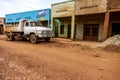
{"type": "Point", "coordinates": [56, 60]}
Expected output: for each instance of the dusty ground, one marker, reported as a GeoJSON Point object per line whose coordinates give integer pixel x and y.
{"type": "Point", "coordinates": [59, 59]}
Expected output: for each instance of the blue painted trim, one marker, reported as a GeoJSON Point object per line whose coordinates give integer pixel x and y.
{"type": "Point", "coordinates": [42, 15]}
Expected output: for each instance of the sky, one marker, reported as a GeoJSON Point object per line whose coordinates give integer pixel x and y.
{"type": "Point", "coordinates": [16, 6]}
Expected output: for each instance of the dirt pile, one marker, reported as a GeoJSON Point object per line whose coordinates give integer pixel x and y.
{"type": "Point", "coordinates": [115, 40]}
{"type": "Point", "coordinates": [111, 44]}
{"type": "Point", "coordinates": [114, 48]}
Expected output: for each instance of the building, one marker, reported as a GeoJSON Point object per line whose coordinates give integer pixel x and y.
{"type": "Point", "coordinates": [112, 18]}
{"type": "Point", "coordinates": [90, 17]}
{"type": "Point", "coordinates": [2, 22]}
{"type": "Point", "coordinates": [93, 20]}
{"type": "Point", "coordinates": [44, 16]}
{"type": "Point", "coordinates": [62, 18]}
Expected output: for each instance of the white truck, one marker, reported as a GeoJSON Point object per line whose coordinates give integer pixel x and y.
{"type": "Point", "coordinates": [26, 29]}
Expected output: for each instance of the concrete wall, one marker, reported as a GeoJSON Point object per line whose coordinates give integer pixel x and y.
{"type": "Point", "coordinates": [83, 7]}
{"type": "Point", "coordinates": [63, 9]}
{"type": "Point", "coordinates": [114, 4]}
{"type": "Point", "coordinates": [2, 21]}
{"type": "Point", "coordinates": [89, 19]}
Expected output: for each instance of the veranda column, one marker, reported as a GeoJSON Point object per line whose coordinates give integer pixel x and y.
{"type": "Point", "coordinates": [52, 24]}
{"type": "Point", "coordinates": [106, 25]}
{"type": "Point", "coordinates": [73, 27]}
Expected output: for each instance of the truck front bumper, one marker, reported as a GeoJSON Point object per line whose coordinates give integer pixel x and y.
{"type": "Point", "coordinates": [45, 36]}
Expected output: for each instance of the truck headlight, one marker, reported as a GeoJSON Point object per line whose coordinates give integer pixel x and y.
{"type": "Point", "coordinates": [39, 32]}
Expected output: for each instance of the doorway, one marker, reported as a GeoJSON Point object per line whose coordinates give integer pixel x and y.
{"type": "Point", "coordinates": [69, 31]}
{"type": "Point", "coordinates": [1, 29]}
{"type": "Point", "coordinates": [115, 29]}
{"type": "Point", "coordinates": [91, 32]}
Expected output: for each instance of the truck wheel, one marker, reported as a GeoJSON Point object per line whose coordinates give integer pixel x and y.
{"type": "Point", "coordinates": [11, 37]}
{"type": "Point", "coordinates": [47, 39]}
{"type": "Point", "coordinates": [33, 38]}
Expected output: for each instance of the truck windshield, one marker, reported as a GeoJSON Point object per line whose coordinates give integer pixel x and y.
{"type": "Point", "coordinates": [35, 24]}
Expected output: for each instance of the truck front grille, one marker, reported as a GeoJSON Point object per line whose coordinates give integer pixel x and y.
{"type": "Point", "coordinates": [47, 32]}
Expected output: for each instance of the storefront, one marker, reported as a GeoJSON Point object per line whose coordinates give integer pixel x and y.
{"type": "Point", "coordinates": [90, 19]}
{"type": "Point", "coordinates": [114, 24]}
{"type": "Point", "coordinates": [63, 27]}
{"type": "Point", "coordinates": [114, 18]}
{"type": "Point", "coordinates": [90, 27]}
{"type": "Point", "coordinates": [44, 16]}
{"type": "Point", "coordinates": [63, 19]}
{"type": "Point", "coordinates": [86, 19]}
{"type": "Point", "coordinates": [2, 22]}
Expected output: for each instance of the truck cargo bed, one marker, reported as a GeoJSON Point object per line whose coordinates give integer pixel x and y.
{"type": "Point", "coordinates": [12, 28]}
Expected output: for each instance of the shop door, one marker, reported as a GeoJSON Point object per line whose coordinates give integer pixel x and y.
{"type": "Point", "coordinates": [1, 29]}
{"type": "Point", "coordinates": [56, 31]}
{"type": "Point", "coordinates": [91, 32]}
{"type": "Point", "coordinates": [69, 31]}
{"type": "Point", "coordinates": [75, 33]}
{"type": "Point", "coordinates": [115, 29]}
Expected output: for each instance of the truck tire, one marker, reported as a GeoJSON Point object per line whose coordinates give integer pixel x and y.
{"type": "Point", "coordinates": [47, 39]}
{"type": "Point", "coordinates": [33, 38]}
{"type": "Point", "coordinates": [11, 37]}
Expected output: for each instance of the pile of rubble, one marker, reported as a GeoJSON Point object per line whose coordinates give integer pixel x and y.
{"type": "Point", "coordinates": [113, 48]}
{"type": "Point", "coordinates": [114, 40]}
{"type": "Point", "coordinates": [112, 44]}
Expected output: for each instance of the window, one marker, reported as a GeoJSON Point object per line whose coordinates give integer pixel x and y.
{"type": "Point", "coordinates": [62, 29]}
{"type": "Point", "coordinates": [35, 24]}
{"type": "Point", "coordinates": [44, 23]}
{"type": "Point", "coordinates": [27, 24]}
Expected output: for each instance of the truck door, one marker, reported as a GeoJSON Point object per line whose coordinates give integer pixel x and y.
{"type": "Point", "coordinates": [29, 28]}
{"type": "Point", "coordinates": [26, 27]}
